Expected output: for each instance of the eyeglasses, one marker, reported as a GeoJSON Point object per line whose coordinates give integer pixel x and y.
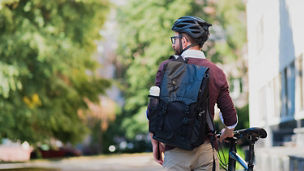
{"type": "Point", "coordinates": [173, 38]}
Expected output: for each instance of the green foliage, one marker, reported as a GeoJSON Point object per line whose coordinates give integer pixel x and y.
{"type": "Point", "coordinates": [223, 155]}
{"type": "Point", "coordinates": [46, 69]}
{"type": "Point", "coordinates": [230, 15]}
{"type": "Point", "coordinates": [144, 41]}
{"type": "Point", "coordinates": [243, 117]}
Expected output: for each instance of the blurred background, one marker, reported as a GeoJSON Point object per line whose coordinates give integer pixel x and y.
{"type": "Point", "coordinates": [75, 74]}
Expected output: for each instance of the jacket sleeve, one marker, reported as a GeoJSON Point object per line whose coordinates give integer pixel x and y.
{"type": "Point", "coordinates": [158, 76]}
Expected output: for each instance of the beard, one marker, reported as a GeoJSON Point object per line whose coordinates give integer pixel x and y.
{"type": "Point", "coordinates": [177, 51]}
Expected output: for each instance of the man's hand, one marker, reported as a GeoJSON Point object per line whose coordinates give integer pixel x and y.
{"type": "Point", "coordinates": [225, 133]}
{"type": "Point", "coordinates": [158, 150]}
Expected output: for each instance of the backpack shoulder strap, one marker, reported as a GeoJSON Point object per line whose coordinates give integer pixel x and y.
{"type": "Point", "coordinates": [204, 96]}
{"type": "Point", "coordinates": [178, 58]}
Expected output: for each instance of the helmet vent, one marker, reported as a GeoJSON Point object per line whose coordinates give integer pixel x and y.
{"type": "Point", "coordinates": [181, 25]}
{"type": "Point", "coordinates": [196, 32]}
{"type": "Point", "coordinates": [194, 27]}
{"type": "Point", "coordinates": [189, 21]}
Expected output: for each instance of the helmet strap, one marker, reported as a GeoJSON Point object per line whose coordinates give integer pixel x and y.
{"type": "Point", "coordinates": [192, 45]}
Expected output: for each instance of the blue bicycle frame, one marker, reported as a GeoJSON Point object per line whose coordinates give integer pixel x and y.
{"type": "Point", "coordinates": [252, 135]}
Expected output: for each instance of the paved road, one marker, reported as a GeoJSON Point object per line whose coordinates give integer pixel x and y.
{"type": "Point", "coordinates": [134, 162]}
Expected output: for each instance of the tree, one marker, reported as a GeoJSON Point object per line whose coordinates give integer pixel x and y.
{"type": "Point", "coordinates": [144, 42]}
{"type": "Point", "coordinates": [46, 68]}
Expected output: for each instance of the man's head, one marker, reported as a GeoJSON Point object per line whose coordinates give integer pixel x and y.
{"type": "Point", "coordinates": [189, 32]}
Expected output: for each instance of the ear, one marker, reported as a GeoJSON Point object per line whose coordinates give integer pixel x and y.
{"type": "Point", "coordinates": [185, 41]}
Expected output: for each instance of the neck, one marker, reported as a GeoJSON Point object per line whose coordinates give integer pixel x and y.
{"type": "Point", "coordinates": [196, 47]}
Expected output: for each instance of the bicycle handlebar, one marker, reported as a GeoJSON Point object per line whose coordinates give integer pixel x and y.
{"type": "Point", "coordinates": [253, 132]}
{"type": "Point", "coordinates": [251, 135]}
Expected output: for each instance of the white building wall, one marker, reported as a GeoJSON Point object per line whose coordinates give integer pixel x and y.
{"type": "Point", "coordinates": [275, 39]}
{"type": "Point", "coordinates": [262, 33]}
{"type": "Point", "coordinates": [275, 31]}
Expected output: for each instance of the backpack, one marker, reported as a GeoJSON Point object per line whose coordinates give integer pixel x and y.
{"type": "Point", "coordinates": [180, 118]}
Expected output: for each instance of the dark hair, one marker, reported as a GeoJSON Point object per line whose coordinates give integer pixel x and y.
{"type": "Point", "coordinates": [192, 40]}
{"type": "Point", "coordinates": [196, 28]}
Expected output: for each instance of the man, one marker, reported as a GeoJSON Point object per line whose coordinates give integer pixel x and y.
{"type": "Point", "coordinates": [190, 35]}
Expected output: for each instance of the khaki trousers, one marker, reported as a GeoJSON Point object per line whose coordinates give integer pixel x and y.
{"type": "Point", "coordinates": [199, 158]}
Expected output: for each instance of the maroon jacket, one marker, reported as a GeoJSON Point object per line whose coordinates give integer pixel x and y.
{"type": "Point", "coordinates": [218, 89]}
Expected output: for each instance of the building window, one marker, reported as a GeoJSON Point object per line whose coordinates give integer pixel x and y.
{"type": "Point", "coordinates": [299, 84]}
{"type": "Point", "coordinates": [291, 88]}
{"type": "Point", "coordinates": [288, 90]}
{"type": "Point", "coordinates": [284, 92]}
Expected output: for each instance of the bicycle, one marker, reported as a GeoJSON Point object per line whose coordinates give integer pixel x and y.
{"type": "Point", "coordinates": [251, 135]}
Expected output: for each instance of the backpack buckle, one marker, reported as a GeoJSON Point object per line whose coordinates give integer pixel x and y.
{"type": "Point", "coordinates": [201, 113]}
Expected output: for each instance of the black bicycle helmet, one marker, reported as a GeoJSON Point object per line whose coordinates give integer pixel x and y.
{"type": "Point", "coordinates": [195, 27]}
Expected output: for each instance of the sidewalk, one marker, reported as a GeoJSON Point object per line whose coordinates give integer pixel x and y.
{"type": "Point", "coordinates": [125, 162]}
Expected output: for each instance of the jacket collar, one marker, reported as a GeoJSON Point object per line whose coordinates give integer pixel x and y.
{"type": "Point", "coordinates": [193, 54]}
